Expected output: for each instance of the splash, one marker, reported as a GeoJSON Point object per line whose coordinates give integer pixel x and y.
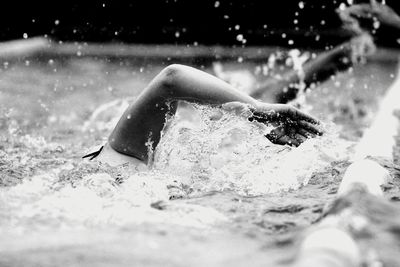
{"type": "Point", "coordinates": [227, 152]}
{"type": "Point", "coordinates": [96, 200]}
{"type": "Point", "coordinates": [203, 150]}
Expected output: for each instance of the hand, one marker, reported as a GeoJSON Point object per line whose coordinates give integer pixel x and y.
{"type": "Point", "coordinates": [375, 11]}
{"type": "Point", "coordinates": [293, 126]}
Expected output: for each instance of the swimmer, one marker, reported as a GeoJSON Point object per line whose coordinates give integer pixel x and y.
{"type": "Point", "coordinates": [139, 128]}
{"type": "Point", "coordinates": [369, 23]}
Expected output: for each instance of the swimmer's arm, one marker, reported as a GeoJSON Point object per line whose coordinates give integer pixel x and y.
{"type": "Point", "coordinates": [315, 70]}
{"type": "Point", "coordinates": [145, 118]}
{"type": "Point", "coordinates": [319, 69]}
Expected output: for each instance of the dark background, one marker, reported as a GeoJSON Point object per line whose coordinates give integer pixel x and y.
{"type": "Point", "coordinates": [261, 22]}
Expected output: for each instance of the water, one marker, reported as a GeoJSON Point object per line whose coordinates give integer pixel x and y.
{"type": "Point", "coordinates": [216, 182]}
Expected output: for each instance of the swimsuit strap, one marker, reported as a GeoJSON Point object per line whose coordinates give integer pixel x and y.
{"type": "Point", "coordinates": [94, 154]}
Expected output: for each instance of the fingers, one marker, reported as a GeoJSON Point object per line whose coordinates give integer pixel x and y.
{"type": "Point", "coordinates": [300, 138]}
{"type": "Point", "coordinates": [305, 133]}
{"type": "Point", "coordinates": [287, 140]}
{"type": "Point", "coordinates": [299, 115]}
{"type": "Point", "coordinates": [310, 128]}
{"type": "Point", "coordinates": [293, 136]}
{"type": "Point", "coordinates": [294, 126]}
{"type": "Point", "coordinates": [278, 136]}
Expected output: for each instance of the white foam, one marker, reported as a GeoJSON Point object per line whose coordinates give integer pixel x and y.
{"type": "Point", "coordinates": [365, 172]}
{"type": "Point", "coordinates": [379, 139]}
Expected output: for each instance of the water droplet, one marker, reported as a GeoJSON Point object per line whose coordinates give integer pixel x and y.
{"type": "Point", "coordinates": [376, 24]}
{"type": "Point", "coordinates": [342, 6]}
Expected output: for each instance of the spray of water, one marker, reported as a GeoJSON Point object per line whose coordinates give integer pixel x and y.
{"type": "Point", "coordinates": [203, 150]}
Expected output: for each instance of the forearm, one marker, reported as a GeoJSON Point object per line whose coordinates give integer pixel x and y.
{"type": "Point", "coordinates": [327, 64]}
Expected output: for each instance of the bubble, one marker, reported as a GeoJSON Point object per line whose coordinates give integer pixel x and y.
{"type": "Point", "coordinates": [376, 24]}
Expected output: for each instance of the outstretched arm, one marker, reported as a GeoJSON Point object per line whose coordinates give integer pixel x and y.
{"type": "Point", "coordinates": [318, 69]}
{"type": "Point", "coordinates": [139, 128]}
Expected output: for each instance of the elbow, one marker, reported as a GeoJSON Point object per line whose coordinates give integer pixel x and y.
{"type": "Point", "coordinates": [169, 76]}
